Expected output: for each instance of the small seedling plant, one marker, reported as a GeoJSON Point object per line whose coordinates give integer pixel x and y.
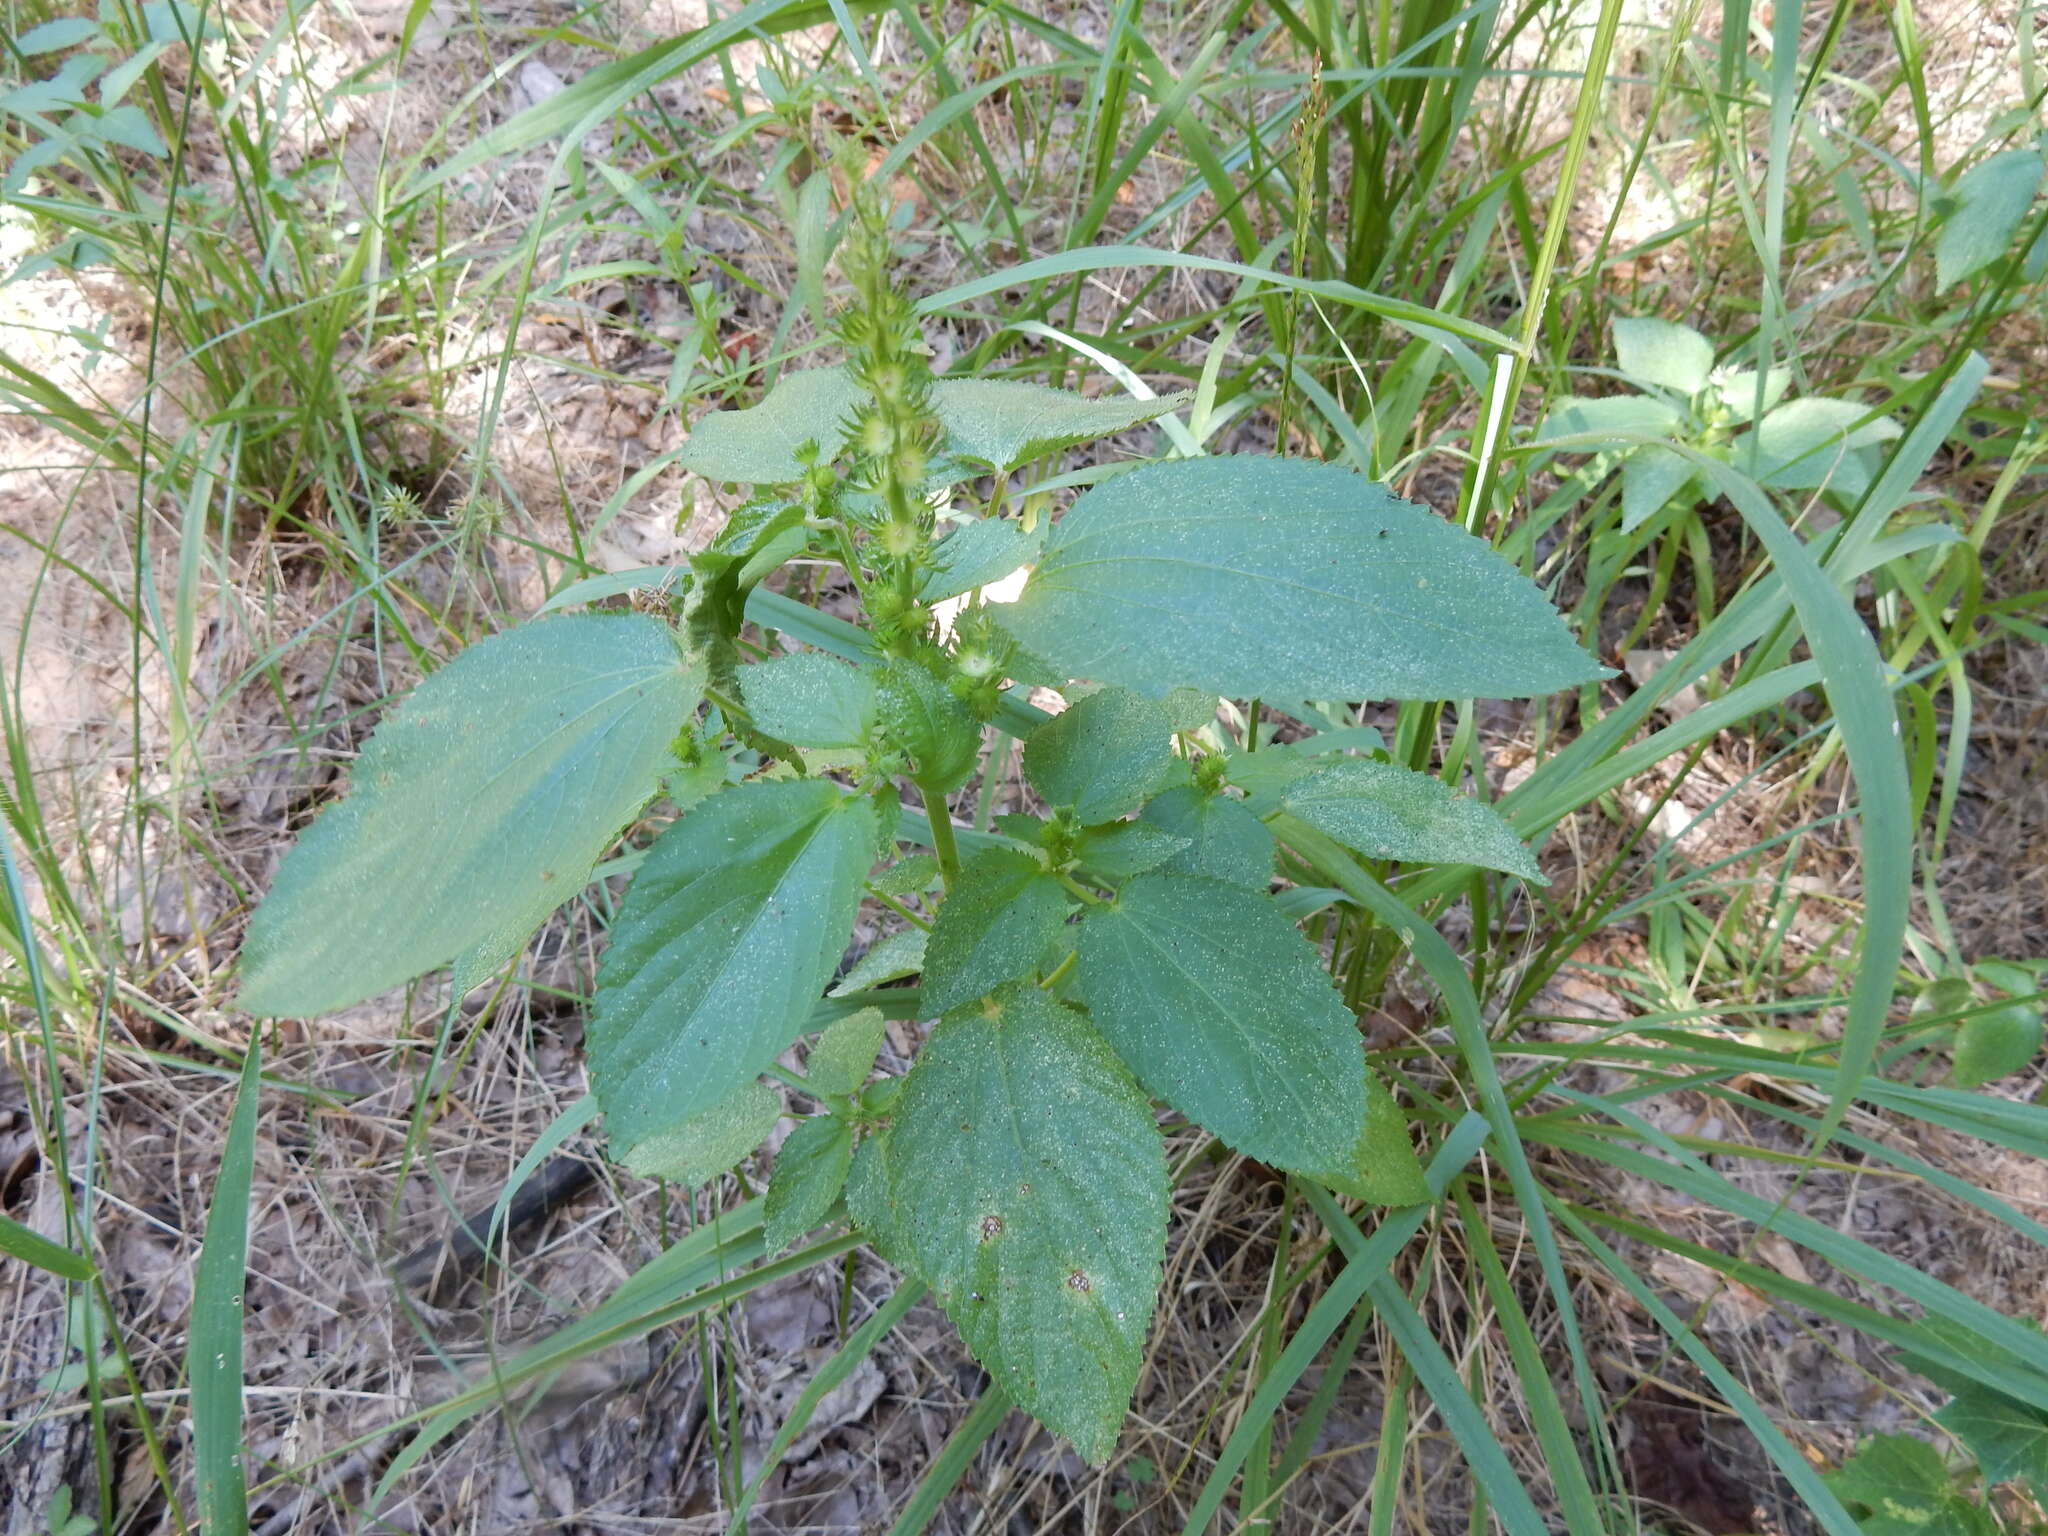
{"type": "Point", "coordinates": [1135, 945]}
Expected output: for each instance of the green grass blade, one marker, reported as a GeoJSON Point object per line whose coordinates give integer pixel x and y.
{"type": "Point", "coordinates": [214, 1356]}
{"type": "Point", "coordinates": [1491, 1469]}
{"type": "Point", "coordinates": [1677, 1168]}
{"type": "Point", "coordinates": [31, 1247]}
{"type": "Point", "coordinates": [1546, 1413]}
{"type": "Point", "coordinates": [829, 1375]}
{"type": "Point", "coordinates": [1468, 1028]}
{"type": "Point", "coordinates": [1327, 1316]}
{"type": "Point", "coordinates": [1794, 1467]}
{"type": "Point", "coordinates": [952, 1462]}
{"type": "Point", "coordinates": [1419, 319]}
{"type": "Point", "coordinates": [1853, 674]}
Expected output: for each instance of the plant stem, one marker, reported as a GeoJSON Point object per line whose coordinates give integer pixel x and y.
{"type": "Point", "coordinates": [941, 819]}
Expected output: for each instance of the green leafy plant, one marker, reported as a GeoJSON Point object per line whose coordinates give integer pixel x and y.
{"type": "Point", "coordinates": [1995, 1482]}
{"type": "Point", "coordinates": [1993, 1036]}
{"type": "Point", "coordinates": [1124, 947]}
{"type": "Point", "coordinates": [1684, 398]}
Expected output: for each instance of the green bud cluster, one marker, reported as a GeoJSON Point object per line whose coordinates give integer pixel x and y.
{"type": "Point", "coordinates": [980, 661]}
{"type": "Point", "coordinates": [893, 433]}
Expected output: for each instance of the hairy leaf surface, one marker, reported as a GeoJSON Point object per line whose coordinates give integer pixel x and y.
{"type": "Point", "coordinates": [1027, 1179]}
{"type": "Point", "coordinates": [1664, 353]}
{"type": "Point", "coordinates": [722, 947]}
{"type": "Point", "coordinates": [709, 1141]}
{"type": "Point", "coordinates": [1225, 841]}
{"type": "Point", "coordinates": [978, 553]}
{"type": "Point", "coordinates": [1002, 915]}
{"type": "Point", "coordinates": [1390, 812]}
{"type": "Point", "coordinates": [759, 445]}
{"type": "Point", "coordinates": [477, 808]}
{"type": "Point", "coordinates": [1223, 1009]}
{"type": "Point", "coordinates": [810, 700]}
{"type": "Point", "coordinates": [1254, 576]}
{"type": "Point", "coordinates": [844, 1055]}
{"type": "Point", "coordinates": [1384, 1169]}
{"type": "Point", "coordinates": [1103, 756]}
{"type": "Point", "coordinates": [925, 720]}
{"type": "Point", "coordinates": [810, 1170]}
{"type": "Point", "coordinates": [1004, 422]}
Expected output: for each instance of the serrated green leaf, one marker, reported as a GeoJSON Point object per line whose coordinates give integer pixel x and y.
{"type": "Point", "coordinates": [1004, 423]}
{"type": "Point", "coordinates": [1996, 1044]}
{"type": "Point", "coordinates": [844, 1056]}
{"type": "Point", "coordinates": [2008, 1438]}
{"type": "Point", "coordinates": [1102, 756]}
{"type": "Point", "coordinates": [897, 956]}
{"type": "Point", "coordinates": [1265, 774]}
{"type": "Point", "coordinates": [924, 719]}
{"type": "Point", "coordinates": [1991, 199]}
{"type": "Point", "coordinates": [1001, 916]}
{"type": "Point", "coordinates": [1225, 841]}
{"type": "Point", "coordinates": [993, 421]}
{"type": "Point", "coordinates": [1126, 848]}
{"type": "Point", "coordinates": [64, 32]}
{"type": "Point", "coordinates": [918, 872]}
{"type": "Point", "coordinates": [1028, 1181]}
{"type": "Point", "coordinates": [1223, 1010]}
{"type": "Point", "coordinates": [704, 1144]}
{"type": "Point", "coordinates": [810, 700]}
{"type": "Point", "coordinates": [1737, 391]}
{"type": "Point", "coordinates": [869, 1201]}
{"type": "Point", "coordinates": [1278, 578]}
{"type": "Point", "coordinates": [810, 1171]}
{"type": "Point", "coordinates": [1808, 444]}
{"type": "Point", "coordinates": [978, 553]}
{"type": "Point", "coordinates": [756, 539]}
{"type": "Point", "coordinates": [1619, 418]}
{"type": "Point", "coordinates": [759, 445]}
{"type": "Point", "coordinates": [1664, 353]}
{"type": "Point", "coordinates": [1651, 479]}
{"type": "Point", "coordinates": [130, 127]}
{"type": "Point", "coordinates": [1901, 1482]}
{"type": "Point", "coordinates": [1390, 812]}
{"type": "Point", "coordinates": [478, 807]}
{"type": "Point", "coordinates": [722, 947]}
{"type": "Point", "coordinates": [1385, 1169]}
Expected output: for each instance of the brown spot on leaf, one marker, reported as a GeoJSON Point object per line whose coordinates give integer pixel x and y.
{"type": "Point", "coordinates": [1079, 1281]}
{"type": "Point", "coordinates": [991, 1226]}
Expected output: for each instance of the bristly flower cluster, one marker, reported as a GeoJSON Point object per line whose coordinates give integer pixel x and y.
{"type": "Point", "coordinates": [892, 434]}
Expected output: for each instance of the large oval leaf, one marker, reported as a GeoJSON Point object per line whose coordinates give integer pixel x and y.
{"type": "Point", "coordinates": [1027, 1185]}
{"type": "Point", "coordinates": [1223, 1010]}
{"type": "Point", "coordinates": [1284, 579]}
{"type": "Point", "coordinates": [477, 808]}
{"type": "Point", "coordinates": [722, 949]}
